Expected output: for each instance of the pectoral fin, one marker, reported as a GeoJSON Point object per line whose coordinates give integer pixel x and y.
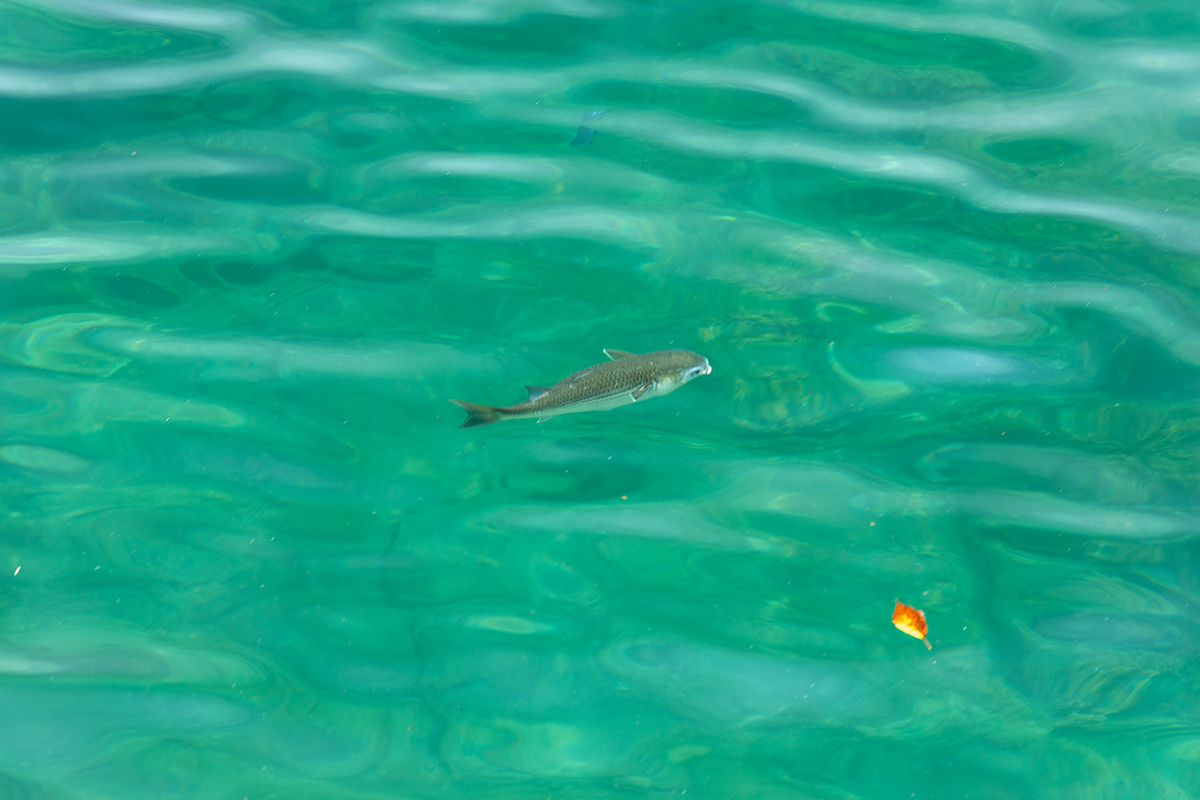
{"type": "Point", "coordinates": [536, 391]}
{"type": "Point", "coordinates": [640, 391]}
{"type": "Point", "coordinates": [616, 355]}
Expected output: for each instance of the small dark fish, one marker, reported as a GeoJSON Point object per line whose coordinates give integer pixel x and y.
{"type": "Point", "coordinates": [591, 115]}
{"type": "Point", "coordinates": [627, 378]}
{"type": "Point", "coordinates": [583, 136]}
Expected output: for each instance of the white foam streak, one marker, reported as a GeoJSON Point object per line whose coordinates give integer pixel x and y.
{"type": "Point", "coordinates": [251, 359]}
{"type": "Point", "coordinates": [494, 12]}
{"type": "Point", "coordinates": [159, 15]}
{"type": "Point", "coordinates": [133, 244]}
{"type": "Point", "coordinates": [589, 222]}
{"type": "Point", "coordinates": [345, 60]}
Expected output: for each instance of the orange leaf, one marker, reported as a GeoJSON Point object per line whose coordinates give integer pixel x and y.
{"type": "Point", "coordinates": [911, 621]}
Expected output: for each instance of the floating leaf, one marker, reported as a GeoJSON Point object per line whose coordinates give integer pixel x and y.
{"type": "Point", "coordinates": [911, 621]}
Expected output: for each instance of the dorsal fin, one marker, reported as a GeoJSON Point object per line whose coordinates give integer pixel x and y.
{"type": "Point", "coordinates": [535, 392]}
{"type": "Point", "coordinates": [618, 354]}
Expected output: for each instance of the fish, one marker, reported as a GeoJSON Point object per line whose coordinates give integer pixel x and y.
{"type": "Point", "coordinates": [626, 378]}
{"type": "Point", "coordinates": [583, 136]}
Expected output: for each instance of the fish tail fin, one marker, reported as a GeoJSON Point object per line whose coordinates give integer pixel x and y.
{"type": "Point", "coordinates": [476, 414]}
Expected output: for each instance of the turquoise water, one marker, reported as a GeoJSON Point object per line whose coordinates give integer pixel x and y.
{"type": "Point", "coordinates": [944, 258]}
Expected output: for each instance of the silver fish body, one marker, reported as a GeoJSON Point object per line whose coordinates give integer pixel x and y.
{"type": "Point", "coordinates": [627, 378]}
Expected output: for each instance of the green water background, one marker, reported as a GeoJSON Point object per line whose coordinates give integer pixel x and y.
{"type": "Point", "coordinates": [943, 257]}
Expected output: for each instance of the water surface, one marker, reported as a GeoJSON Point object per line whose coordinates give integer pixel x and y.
{"type": "Point", "coordinates": [942, 255]}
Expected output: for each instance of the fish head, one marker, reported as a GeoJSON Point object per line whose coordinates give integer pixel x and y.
{"type": "Point", "coordinates": [674, 368]}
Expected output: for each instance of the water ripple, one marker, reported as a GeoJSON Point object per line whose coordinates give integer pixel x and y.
{"type": "Point", "coordinates": [194, 18]}
{"type": "Point", "coordinates": [941, 257]}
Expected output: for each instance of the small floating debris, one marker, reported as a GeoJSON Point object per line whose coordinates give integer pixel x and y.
{"type": "Point", "coordinates": [911, 621]}
{"type": "Point", "coordinates": [591, 115]}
